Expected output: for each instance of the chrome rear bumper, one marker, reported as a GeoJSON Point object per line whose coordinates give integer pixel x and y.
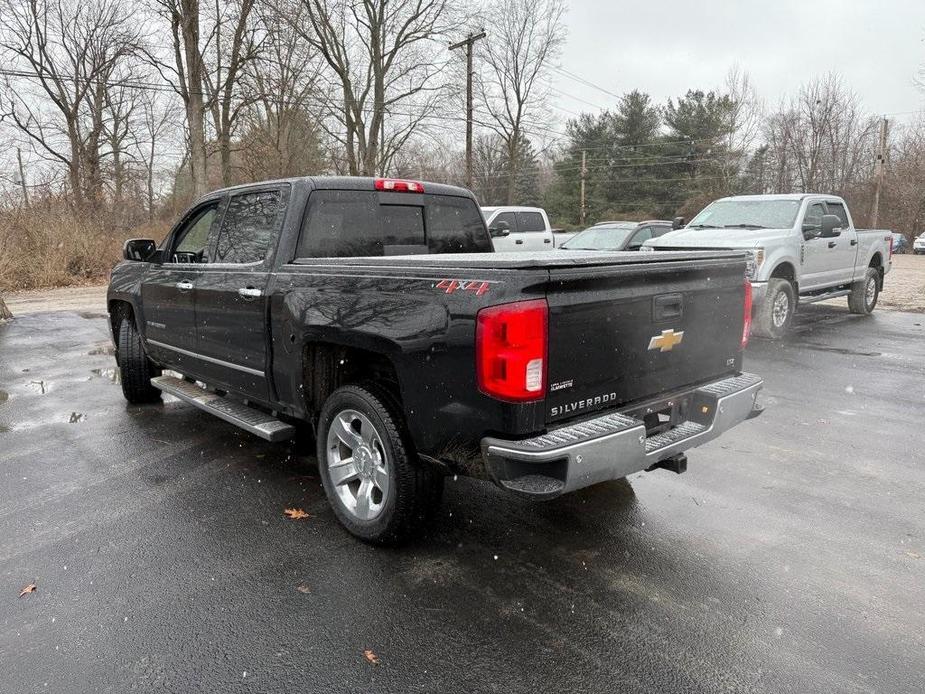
{"type": "Point", "coordinates": [616, 445]}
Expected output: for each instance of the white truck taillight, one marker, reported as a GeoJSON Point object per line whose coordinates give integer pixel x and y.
{"type": "Point", "coordinates": [747, 320]}
{"type": "Point", "coordinates": [510, 348]}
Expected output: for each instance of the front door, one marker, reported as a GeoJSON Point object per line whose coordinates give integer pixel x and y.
{"type": "Point", "coordinates": [820, 267]}
{"type": "Point", "coordinates": [513, 241]}
{"type": "Point", "coordinates": [168, 291]}
{"type": "Point", "coordinates": [537, 235]}
{"type": "Point", "coordinates": [231, 304]}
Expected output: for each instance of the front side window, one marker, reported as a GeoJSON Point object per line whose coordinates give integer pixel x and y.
{"type": "Point", "coordinates": [640, 237]}
{"type": "Point", "coordinates": [250, 226]}
{"type": "Point", "coordinates": [530, 221]}
{"type": "Point", "coordinates": [813, 218]}
{"type": "Point", "coordinates": [192, 240]}
{"type": "Point", "coordinates": [838, 210]}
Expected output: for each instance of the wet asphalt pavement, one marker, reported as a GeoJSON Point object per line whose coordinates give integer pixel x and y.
{"type": "Point", "coordinates": [789, 558]}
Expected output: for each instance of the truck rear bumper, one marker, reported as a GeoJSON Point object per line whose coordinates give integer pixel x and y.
{"type": "Point", "coordinates": [617, 444]}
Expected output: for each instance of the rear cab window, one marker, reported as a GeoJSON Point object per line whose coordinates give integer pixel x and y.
{"type": "Point", "coordinates": [344, 223]}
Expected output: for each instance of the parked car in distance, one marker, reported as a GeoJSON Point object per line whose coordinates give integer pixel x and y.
{"type": "Point", "coordinates": [918, 246]}
{"type": "Point", "coordinates": [900, 244]}
{"type": "Point", "coordinates": [804, 249]}
{"type": "Point", "coordinates": [374, 313]}
{"type": "Point", "coordinates": [519, 228]}
{"type": "Point", "coordinates": [617, 236]}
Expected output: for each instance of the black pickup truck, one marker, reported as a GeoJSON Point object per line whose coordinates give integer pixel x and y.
{"type": "Point", "coordinates": [373, 312]}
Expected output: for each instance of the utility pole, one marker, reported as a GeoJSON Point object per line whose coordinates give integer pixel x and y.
{"type": "Point", "coordinates": [22, 177]}
{"type": "Point", "coordinates": [469, 40]}
{"type": "Point", "coordinates": [582, 213]}
{"type": "Point", "coordinates": [880, 170]}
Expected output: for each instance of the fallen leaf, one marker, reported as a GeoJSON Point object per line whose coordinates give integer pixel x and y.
{"type": "Point", "coordinates": [914, 555]}
{"type": "Point", "coordinates": [296, 513]}
{"type": "Point", "coordinates": [302, 588]}
{"type": "Point", "coordinates": [28, 589]}
{"type": "Point", "coordinates": [371, 657]}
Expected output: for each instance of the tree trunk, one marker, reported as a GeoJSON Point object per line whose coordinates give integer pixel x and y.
{"type": "Point", "coordinates": [195, 111]}
{"type": "Point", "coordinates": [4, 311]}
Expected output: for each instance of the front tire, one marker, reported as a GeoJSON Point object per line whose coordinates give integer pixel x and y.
{"type": "Point", "coordinates": [135, 369]}
{"type": "Point", "coordinates": [377, 487]}
{"type": "Point", "coordinates": [774, 316]}
{"type": "Point", "coordinates": [865, 293]}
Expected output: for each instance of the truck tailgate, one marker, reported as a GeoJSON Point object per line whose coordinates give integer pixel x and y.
{"type": "Point", "coordinates": [630, 332]}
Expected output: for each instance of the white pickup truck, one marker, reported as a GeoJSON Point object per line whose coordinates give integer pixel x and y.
{"type": "Point", "coordinates": [519, 228]}
{"type": "Point", "coordinates": [804, 249]}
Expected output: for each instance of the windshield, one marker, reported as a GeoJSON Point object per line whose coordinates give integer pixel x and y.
{"type": "Point", "coordinates": [599, 238]}
{"type": "Point", "coordinates": [756, 214]}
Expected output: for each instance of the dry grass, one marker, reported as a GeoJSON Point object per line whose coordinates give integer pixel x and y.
{"type": "Point", "coordinates": [54, 247]}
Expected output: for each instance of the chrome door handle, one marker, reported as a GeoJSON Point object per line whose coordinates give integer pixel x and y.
{"type": "Point", "coordinates": [250, 292]}
{"type": "Point", "coordinates": [854, 242]}
{"type": "Point", "coordinates": [184, 286]}
{"type": "Point", "coordinates": [547, 240]}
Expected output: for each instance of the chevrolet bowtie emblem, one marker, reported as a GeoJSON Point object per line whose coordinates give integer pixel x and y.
{"type": "Point", "coordinates": [666, 341]}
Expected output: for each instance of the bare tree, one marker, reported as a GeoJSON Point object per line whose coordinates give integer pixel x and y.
{"type": "Point", "coordinates": [157, 118]}
{"type": "Point", "coordinates": [184, 72]}
{"type": "Point", "coordinates": [524, 40]}
{"type": "Point", "coordinates": [280, 135]}
{"type": "Point", "coordinates": [820, 139]}
{"type": "Point", "coordinates": [224, 73]}
{"type": "Point", "coordinates": [382, 58]}
{"type": "Point", "coordinates": [68, 56]}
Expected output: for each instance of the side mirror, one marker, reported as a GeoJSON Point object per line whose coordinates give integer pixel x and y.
{"type": "Point", "coordinates": [499, 230]}
{"type": "Point", "coordinates": [139, 249]}
{"type": "Point", "coordinates": [831, 226]}
{"type": "Point", "coordinates": [677, 223]}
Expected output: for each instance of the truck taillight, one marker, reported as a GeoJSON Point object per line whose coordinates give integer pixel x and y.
{"type": "Point", "coordinates": [397, 185]}
{"type": "Point", "coordinates": [747, 322]}
{"type": "Point", "coordinates": [510, 349]}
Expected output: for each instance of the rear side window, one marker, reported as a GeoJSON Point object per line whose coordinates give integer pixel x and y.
{"type": "Point", "coordinates": [342, 224]}
{"type": "Point", "coordinates": [838, 210]}
{"type": "Point", "coordinates": [530, 221]}
{"type": "Point", "coordinates": [250, 226]}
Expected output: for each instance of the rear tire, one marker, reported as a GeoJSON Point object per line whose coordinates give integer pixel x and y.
{"type": "Point", "coordinates": [775, 314]}
{"type": "Point", "coordinates": [135, 369]}
{"type": "Point", "coordinates": [865, 293]}
{"type": "Point", "coordinates": [377, 487]}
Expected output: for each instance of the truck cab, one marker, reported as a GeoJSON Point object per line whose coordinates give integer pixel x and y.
{"type": "Point", "coordinates": [519, 228]}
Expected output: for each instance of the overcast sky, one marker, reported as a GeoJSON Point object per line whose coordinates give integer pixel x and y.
{"type": "Point", "coordinates": [665, 47]}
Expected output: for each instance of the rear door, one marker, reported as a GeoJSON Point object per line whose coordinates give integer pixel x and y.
{"type": "Point", "coordinates": [618, 333]}
{"type": "Point", "coordinates": [168, 292]}
{"type": "Point", "coordinates": [231, 306]}
{"type": "Point", "coordinates": [537, 235]}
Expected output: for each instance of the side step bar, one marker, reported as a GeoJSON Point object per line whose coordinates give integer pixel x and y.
{"type": "Point", "coordinates": [255, 421]}
{"type": "Point", "coordinates": [813, 298]}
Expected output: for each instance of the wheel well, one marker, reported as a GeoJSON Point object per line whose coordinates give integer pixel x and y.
{"type": "Point", "coordinates": [117, 311]}
{"type": "Point", "coordinates": [326, 367]}
{"type": "Point", "coordinates": [785, 271]}
{"type": "Point", "coordinates": [877, 262]}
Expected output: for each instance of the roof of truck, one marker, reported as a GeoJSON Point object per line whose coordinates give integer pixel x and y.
{"type": "Point", "coordinates": [781, 196]}
{"type": "Point", "coordinates": [344, 183]}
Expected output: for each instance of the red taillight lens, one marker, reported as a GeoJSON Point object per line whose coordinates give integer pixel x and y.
{"type": "Point", "coordinates": [396, 185]}
{"type": "Point", "coordinates": [510, 349]}
{"type": "Point", "coordinates": [747, 322]}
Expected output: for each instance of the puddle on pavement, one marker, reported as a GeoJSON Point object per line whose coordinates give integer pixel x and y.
{"type": "Point", "coordinates": [110, 374]}
{"type": "Point", "coordinates": [90, 314]}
